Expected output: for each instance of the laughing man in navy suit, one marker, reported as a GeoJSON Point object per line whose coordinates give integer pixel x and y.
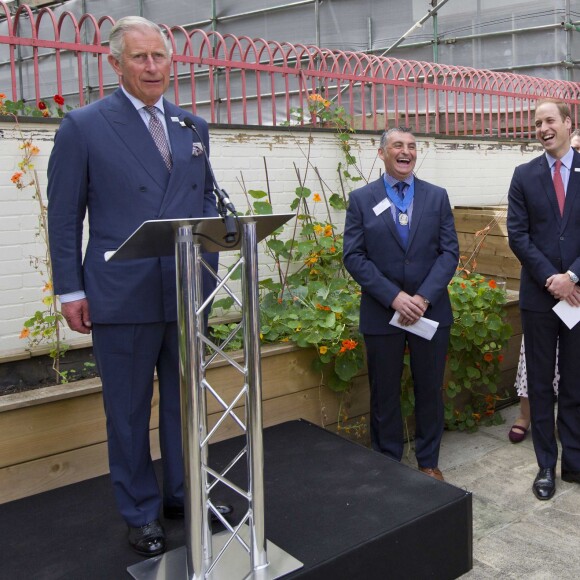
{"type": "Point", "coordinates": [544, 233]}
{"type": "Point", "coordinates": [105, 162]}
{"type": "Point", "coordinates": [400, 245]}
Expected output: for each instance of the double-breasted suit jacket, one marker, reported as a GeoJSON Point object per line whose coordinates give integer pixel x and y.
{"type": "Point", "coordinates": [114, 171]}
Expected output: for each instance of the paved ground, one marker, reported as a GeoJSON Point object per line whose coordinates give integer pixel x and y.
{"type": "Point", "coordinates": [514, 535]}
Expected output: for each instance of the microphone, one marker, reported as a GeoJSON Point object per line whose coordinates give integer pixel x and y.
{"type": "Point", "coordinates": [222, 196]}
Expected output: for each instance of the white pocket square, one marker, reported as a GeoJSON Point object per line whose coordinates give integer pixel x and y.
{"type": "Point", "coordinates": [197, 149]}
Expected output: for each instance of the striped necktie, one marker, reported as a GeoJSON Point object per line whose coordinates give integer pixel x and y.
{"type": "Point", "coordinates": [158, 134]}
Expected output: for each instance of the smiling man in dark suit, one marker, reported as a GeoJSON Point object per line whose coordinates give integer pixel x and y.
{"type": "Point", "coordinates": [544, 233]}
{"type": "Point", "coordinates": [400, 245]}
{"type": "Point", "coordinates": [124, 160]}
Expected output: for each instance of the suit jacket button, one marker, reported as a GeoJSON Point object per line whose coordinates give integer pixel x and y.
{"type": "Point", "coordinates": [194, 186]}
{"type": "Point", "coordinates": [406, 262]}
{"type": "Point", "coordinates": [562, 239]}
{"type": "Point", "coordinates": [142, 188]}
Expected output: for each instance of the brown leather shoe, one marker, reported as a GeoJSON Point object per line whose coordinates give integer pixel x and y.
{"type": "Point", "coordinates": [433, 472]}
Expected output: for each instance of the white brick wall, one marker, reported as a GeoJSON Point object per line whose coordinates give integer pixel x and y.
{"type": "Point", "coordinates": [475, 172]}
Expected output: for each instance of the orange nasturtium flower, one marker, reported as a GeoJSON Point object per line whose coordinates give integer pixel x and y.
{"type": "Point", "coordinates": [24, 333]}
{"type": "Point", "coordinates": [16, 177]}
{"type": "Point", "coordinates": [316, 98]}
{"type": "Point", "coordinates": [492, 284]}
{"type": "Point", "coordinates": [318, 229]}
{"type": "Point", "coordinates": [328, 231]}
{"type": "Point", "coordinates": [323, 350]}
{"type": "Point", "coordinates": [316, 198]}
{"type": "Point", "coordinates": [30, 148]}
{"type": "Point", "coordinates": [348, 344]}
{"type": "Point", "coordinates": [488, 357]}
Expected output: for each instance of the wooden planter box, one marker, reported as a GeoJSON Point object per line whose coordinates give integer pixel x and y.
{"type": "Point", "coordinates": [494, 257]}
{"type": "Point", "coordinates": [56, 436]}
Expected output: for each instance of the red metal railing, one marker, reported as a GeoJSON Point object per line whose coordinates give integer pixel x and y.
{"type": "Point", "coordinates": [231, 79]}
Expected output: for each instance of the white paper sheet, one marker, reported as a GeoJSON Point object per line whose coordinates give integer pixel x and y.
{"type": "Point", "coordinates": [424, 327]}
{"type": "Point", "coordinates": [570, 315]}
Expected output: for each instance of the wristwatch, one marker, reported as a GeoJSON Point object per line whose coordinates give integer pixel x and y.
{"type": "Point", "coordinates": [573, 276]}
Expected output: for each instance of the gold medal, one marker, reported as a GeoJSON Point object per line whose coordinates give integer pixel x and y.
{"type": "Point", "coordinates": [403, 219]}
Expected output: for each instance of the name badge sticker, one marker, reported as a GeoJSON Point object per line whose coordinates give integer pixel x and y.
{"type": "Point", "coordinates": [382, 206]}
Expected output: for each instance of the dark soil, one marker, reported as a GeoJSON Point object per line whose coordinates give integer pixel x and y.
{"type": "Point", "coordinates": [37, 372]}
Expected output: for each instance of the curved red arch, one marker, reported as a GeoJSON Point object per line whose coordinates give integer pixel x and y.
{"type": "Point", "coordinates": [258, 73]}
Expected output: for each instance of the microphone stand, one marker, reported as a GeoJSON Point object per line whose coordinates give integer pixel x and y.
{"type": "Point", "coordinates": [225, 207]}
{"type": "Point", "coordinates": [227, 217]}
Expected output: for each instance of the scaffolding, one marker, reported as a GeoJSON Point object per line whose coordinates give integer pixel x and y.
{"type": "Point", "coordinates": [439, 66]}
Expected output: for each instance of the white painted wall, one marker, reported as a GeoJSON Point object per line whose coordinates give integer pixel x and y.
{"type": "Point", "coordinates": [475, 172]}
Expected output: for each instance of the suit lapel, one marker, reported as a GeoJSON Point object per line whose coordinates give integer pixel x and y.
{"type": "Point", "coordinates": [545, 178]}
{"type": "Point", "coordinates": [180, 140]}
{"type": "Point", "coordinates": [572, 189]}
{"type": "Point", "coordinates": [127, 123]}
{"type": "Point", "coordinates": [418, 207]}
{"type": "Point", "coordinates": [378, 194]}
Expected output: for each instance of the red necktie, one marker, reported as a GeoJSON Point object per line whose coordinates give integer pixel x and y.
{"type": "Point", "coordinates": [559, 186]}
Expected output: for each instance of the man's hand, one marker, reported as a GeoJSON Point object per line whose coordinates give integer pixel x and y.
{"type": "Point", "coordinates": [76, 314]}
{"type": "Point", "coordinates": [410, 308]}
{"type": "Point", "coordinates": [561, 287]}
{"type": "Point", "coordinates": [574, 298]}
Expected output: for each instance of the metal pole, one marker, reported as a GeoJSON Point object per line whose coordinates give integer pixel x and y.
{"type": "Point", "coordinates": [435, 34]}
{"type": "Point", "coordinates": [317, 21]}
{"type": "Point", "coordinates": [568, 42]}
{"type": "Point", "coordinates": [193, 416]}
{"type": "Point", "coordinates": [417, 24]}
{"type": "Point", "coordinates": [251, 319]}
{"type": "Point", "coordinates": [258, 12]}
{"type": "Point", "coordinates": [482, 35]}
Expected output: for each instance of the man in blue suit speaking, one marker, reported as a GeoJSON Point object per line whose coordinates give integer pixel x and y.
{"type": "Point", "coordinates": [124, 160]}
{"type": "Point", "coordinates": [400, 245]}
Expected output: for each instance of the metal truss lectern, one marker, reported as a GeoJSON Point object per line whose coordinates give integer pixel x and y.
{"type": "Point", "coordinates": [241, 551]}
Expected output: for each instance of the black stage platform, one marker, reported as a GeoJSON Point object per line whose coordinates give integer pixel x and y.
{"type": "Point", "coordinates": [344, 511]}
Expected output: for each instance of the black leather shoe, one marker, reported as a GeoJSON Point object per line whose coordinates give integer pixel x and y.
{"type": "Point", "coordinates": [571, 476]}
{"type": "Point", "coordinates": [544, 485]}
{"type": "Point", "coordinates": [175, 512]}
{"type": "Point", "coordinates": [148, 540]}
